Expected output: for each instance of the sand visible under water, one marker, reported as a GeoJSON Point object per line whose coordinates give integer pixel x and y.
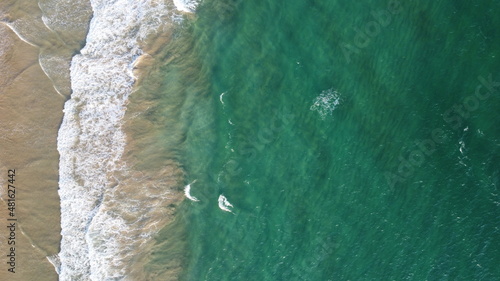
{"type": "Point", "coordinates": [31, 106]}
{"type": "Point", "coordinates": [30, 114]}
{"type": "Point", "coordinates": [34, 85]}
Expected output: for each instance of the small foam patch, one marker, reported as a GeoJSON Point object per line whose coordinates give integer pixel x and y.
{"type": "Point", "coordinates": [326, 103]}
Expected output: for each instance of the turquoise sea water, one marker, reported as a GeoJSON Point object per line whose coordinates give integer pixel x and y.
{"type": "Point", "coordinates": [356, 141]}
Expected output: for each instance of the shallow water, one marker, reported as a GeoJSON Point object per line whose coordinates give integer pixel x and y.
{"type": "Point", "coordinates": [28, 132]}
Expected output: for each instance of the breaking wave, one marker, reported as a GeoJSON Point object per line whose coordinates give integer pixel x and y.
{"type": "Point", "coordinates": [102, 224]}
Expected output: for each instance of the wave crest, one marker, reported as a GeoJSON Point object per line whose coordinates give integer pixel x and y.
{"type": "Point", "coordinates": [101, 224]}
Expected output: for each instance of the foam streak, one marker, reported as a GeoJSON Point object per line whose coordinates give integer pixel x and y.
{"type": "Point", "coordinates": [91, 142]}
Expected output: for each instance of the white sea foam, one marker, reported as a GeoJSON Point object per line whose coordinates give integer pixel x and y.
{"type": "Point", "coordinates": [55, 261]}
{"type": "Point", "coordinates": [26, 31]}
{"type": "Point", "coordinates": [187, 6]}
{"type": "Point", "coordinates": [220, 98]}
{"type": "Point", "coordinates": [326, 103]}
{"type": "Point", "coordinates": [100, 225]}
{"type": "Point", "coordinates": [462, 146]}
{"type": "Point", "coordinates": [224, 204]}
{"type": "Point", "coordinates": [187, 192]}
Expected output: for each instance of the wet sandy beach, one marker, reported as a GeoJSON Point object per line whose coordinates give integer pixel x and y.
{"type": "Point", "coordinates": [28, 145]}
{"type": "Point", "coordinates": [31, 106]}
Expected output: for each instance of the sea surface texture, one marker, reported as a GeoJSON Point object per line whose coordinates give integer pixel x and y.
{"type": "Point", "coordinates": [266, 140]}
{"type": "Point", "coordinates": [354, 141]}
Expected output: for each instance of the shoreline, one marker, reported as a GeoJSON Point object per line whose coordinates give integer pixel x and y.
{"type": "Point", "coordinates": [163, 182]}
{"type": "Point", "coordinates": [28, 139]}
{"type": "Point", "coordinates": [101, 142]}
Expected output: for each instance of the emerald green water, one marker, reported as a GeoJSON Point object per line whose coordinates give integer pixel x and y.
{"type": "Point", "coordinates": [346, 194]}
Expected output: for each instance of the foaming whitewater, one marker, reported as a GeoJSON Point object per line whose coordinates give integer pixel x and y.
{"type": "Point", "coordinates": [326, 103]}
{"type": "Point", "coordinates": [101, 224]}
{"type": "Point", "coordinates": [187, 6]}
{"type": "Point", "coordinates": [224, 204]}
{"type": "Point", "coordinates": [187, 192]}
